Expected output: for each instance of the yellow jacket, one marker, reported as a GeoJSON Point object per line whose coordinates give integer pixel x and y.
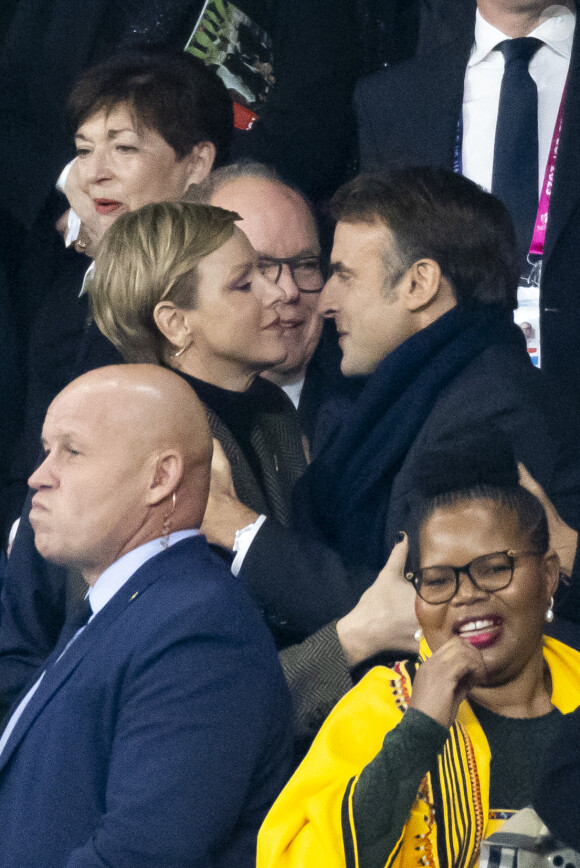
{"type": "Point", "coordinates": [311, 823]}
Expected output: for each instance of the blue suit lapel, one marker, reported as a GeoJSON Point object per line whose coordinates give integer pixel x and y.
{"type": "Point", "coordinates": [440, 94]}
{"type": "Point", "coordinates": [437, 76]}
{"type": "Point", "coordinates": [57, 672]}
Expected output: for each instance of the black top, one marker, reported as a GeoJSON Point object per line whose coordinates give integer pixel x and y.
{"type": "Point", "coordinates": [517, 745]}
{"type": "Point", "coordinates": [555, 800]}
{"type": "Point", "coordinates": [240, 411]}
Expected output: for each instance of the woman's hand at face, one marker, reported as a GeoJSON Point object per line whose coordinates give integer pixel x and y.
{"type": "Point", "coordinates": [93, 227]}
{"type": "Point", "coordinates": [444, 680]}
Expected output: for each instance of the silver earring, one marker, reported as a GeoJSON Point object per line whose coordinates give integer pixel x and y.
{"type": "Point", "coordinates": [185, 347]}
{"type": "Point", "coordinates": [167, 523]}
{"type": "Point", "coordinates": [550, 612]}
{"type": "Point", "coordinates": [418, 634]}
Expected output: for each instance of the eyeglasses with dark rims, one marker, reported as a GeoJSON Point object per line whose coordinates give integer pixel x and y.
{"type": "Point", "coordinates": [493, 572]}
{"type": "Point", "coordinates": [306, 271]}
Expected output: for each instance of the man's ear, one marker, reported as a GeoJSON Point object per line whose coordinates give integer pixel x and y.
{"type": "Point", "coordinates": [200, 162]}
{"type": "Point", "coordinates": [422, 283]}
{"type": "Point", "coordinates": [166, 476]}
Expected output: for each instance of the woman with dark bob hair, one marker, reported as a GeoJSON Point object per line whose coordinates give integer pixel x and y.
{"type": "Point", "coordinates": [147, 126]}
{"type": "Point", "coordinates": [178, 284]}
{"type": "Point", "coordinates": [420, 762]}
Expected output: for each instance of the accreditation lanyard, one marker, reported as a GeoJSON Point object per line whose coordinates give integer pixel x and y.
{"type": "Point", "coordinates": [538, 238]}
{"type": "Point", "coordinates": [527, 314]}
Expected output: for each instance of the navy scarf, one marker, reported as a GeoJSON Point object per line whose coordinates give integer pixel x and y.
{"type": "Point", "coordinates": [343, 498]}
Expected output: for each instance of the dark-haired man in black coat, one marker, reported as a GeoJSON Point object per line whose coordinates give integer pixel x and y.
{"type": "Point", "coordinates": [423, 281]}
{"type": "Point", "coordinates": [426, 111]}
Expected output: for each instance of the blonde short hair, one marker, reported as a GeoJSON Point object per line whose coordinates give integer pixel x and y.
{"type": "Point", "coordinates": [146, 256]}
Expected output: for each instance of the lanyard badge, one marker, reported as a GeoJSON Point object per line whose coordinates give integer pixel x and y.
{"type": "Point", "coordinates": [527, 314]}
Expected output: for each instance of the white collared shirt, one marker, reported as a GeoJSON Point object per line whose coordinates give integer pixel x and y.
{"type": "Point", "coordinates": [294, 390]}
{"type": "Point", "coordinates": [73, 224]}
{"type": "Point", "coordinates": [73, 219]}
{"type": "Point", "coordinates": [104, 589]}
{"type": "Point", "coordinates": [548, 67]}
{"type": "Point", "coordinates": [115, 576]}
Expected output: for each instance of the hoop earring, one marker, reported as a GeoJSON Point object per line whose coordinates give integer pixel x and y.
{"type": "Point", "coordinates": [550, 612]}
{"type": "Point", "coordinates": [185, 347]}
{"type": "Point", "coordinates": [166, 530]}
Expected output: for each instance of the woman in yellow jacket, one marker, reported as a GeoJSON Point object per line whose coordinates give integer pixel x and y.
{"type": "Point", "coordinates": [418, 763]}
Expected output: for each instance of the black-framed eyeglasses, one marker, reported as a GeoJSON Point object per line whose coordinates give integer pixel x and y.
{"type": "Point", "coordinates": [493, 572]}
{"type": "Point", "coordinates": [306, 271]}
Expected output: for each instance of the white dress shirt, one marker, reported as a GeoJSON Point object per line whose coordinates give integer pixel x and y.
{"type": "Point", "coordinates": [115, 576]}
{"type": "Point", "coordinates": [244, 538]}
{"type": "Point", "coordinates": [294, 390]}
{"type": "Point", "coordinates": [106, 586]}
{"type": "Point", "coordinates": [548, 67]}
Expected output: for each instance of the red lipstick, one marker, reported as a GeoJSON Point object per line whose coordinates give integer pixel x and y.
{"type": "Point", "coordinates": [106, 206]}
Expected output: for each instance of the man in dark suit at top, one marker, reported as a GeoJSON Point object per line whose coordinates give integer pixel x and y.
{"type": "Point", "coordinates": [156, 734]}
{"type": "Point", "coordinates": [484, 96]}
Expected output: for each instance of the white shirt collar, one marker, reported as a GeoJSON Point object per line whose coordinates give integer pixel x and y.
{"type": "Point", "coordinates": [294, 390]}
{"type": "Point", "coordinates": [115, 576]}
{"type": "Point", "coordinates": [88, 276]}
{"type": "Point", "coordinates": [557, 32]}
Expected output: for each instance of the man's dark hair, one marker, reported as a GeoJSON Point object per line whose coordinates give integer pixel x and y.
{"type": "Point", "coordinates": [473, 466]}
{"type": "Point", "coordinates": [174, 94]}
{"type": "Point", "coordinates": [439, 215]}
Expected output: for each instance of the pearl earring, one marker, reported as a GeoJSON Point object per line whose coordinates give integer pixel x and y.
{"type": "Point", "coordinates": [418, 634]}
{"type": "Point", "coordinates": [550, 612]}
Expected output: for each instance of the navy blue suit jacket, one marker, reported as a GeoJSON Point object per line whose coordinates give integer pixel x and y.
{"type": "Point", "coordinates": [161, 736]}
{"type": "Point", "coordinates": [408, 114]}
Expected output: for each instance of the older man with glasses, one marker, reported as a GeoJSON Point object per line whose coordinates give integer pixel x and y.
{"type": "Point", "coordinates": [281, 227]}
{"type": "Point", "coordinates": [303, 278]}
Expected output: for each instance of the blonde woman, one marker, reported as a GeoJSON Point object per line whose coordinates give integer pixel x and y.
{"type": "Point", "coordinates": [177, 284]}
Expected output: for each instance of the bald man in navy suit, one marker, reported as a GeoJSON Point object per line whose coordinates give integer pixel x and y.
{"type": "Point", "coordinates": [158, 731]}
